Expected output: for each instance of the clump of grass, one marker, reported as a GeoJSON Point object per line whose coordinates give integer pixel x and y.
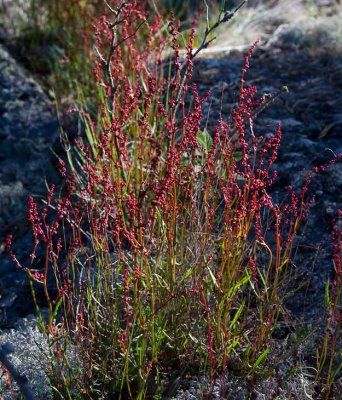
{"type": "Point", "coordinates": [165, 249]}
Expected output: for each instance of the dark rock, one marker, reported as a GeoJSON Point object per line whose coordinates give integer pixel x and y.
{"type": "Point", "coordinates": [28, 130]}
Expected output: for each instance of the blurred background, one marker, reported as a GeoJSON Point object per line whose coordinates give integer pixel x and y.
{"type": "Point", "coordinates": [54, 38]}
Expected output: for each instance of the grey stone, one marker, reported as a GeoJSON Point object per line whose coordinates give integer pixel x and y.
{"type": "Point", "coordinates": [28, 130]}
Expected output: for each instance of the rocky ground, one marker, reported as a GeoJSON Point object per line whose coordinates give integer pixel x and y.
{"type": "Point", "coordinates": [310, 111]}
{"type": "Point", "coordinates": [28, 132]}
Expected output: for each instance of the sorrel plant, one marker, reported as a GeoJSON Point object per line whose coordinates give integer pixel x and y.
{"type": "Point", "coordinates": [166, 250]}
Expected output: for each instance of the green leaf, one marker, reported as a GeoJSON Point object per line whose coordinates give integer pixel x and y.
{"type": "Point", "coordinates": [234, 343]}
{"type": "Point", "coordinates": [186, 276]}
{"type": "Point", "coordinates": [193, 338]}
{"type": "Point", "coordinates": [327, 294]}
{"type": "Point", "coordinates": [213, 277]}
{"type": "Point", "coordinates": [55, 311]}
{"type": "Point", "coordinates": [205, 140]}
{"type": "Point", "coordinates": [238, 284]}
{"type": "Point", "coordinates": [283, 263]}
{"type": "Point", "coordinates": [261, 358]}
{"type": "Point", "coordinates": [161, 281]}
{"type": "Point", "coordinates": [237, 315]}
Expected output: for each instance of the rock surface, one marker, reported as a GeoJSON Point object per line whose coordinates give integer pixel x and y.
{"type": "Point", "coordinates": [28, 132]}
{"type": "Point", "coordinates": [22, 340]}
